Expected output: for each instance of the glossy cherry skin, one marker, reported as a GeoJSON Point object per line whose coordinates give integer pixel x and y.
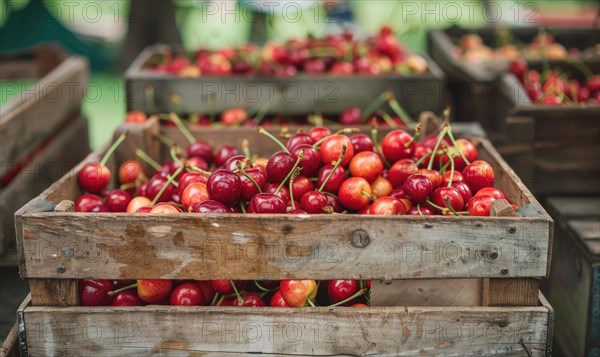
{"type": "Point", "coordinates": [249, 299]}
{"type": "Point", "coordinates": [129, 171]}
{"type": "Point", "coordinates": [210, 206]}
{"type": "Point", "coordinates": [144, 209]}
{"type": "Point", "coordinates": [223, 287]}
{"type": "Point", "coordinates": [224, 186]}
{"type": "Point", "coordinates": [201, 149]}
{"type": "Point", "coordinates": [417, 188]}
{"type": "Point", "coordinates": [314, 202]}
{"type": "Point", "coordinates": [393, 146]}
{"type": "Point", "coordinates": [249, 189]}
{"type": "Point", "coordinates": [165, 208]}
{"type": "Point", "coordinates": [425, 211]}
{"type": "Point", "coordinates": [350, 116]}
{"type": "Point", "coordinates": [86, 202]}
{"type": "Point", "coordinates": [455, 199]}
{"type": "Point", "coordinates": [311, 161]}
{"type": "Point", "coordinates": [319, 132]}
{"type": "Point", "coordinates": [340, 290]}
{"type": "Point", "coordinates": [300, 186]}
{"type": "Point", "coordinates": [223, 154]}
{"type": "Point", "coordinates": [232, 163]}
{"type": "Point", "coordinates": [194, 193]}
{"type": "Point", "coordinates": [207, 290]}
{"type": "Point", "coordinates": [277, 300]}
{"type": "Point", "coordinates": [335, 181]}
{"type": "Point", "coordinates": [234, 116]}
{"type": "Point", "coordinates": [127, 298]}
{"type": "Point", "coordinates": [367, 165]}
{"type": "Point", "coordinates": [456, 177]}
{"type": "Point", "coordinates": [480, 205]}
{"type": "Point", "coordinates": [400, 171]}
{"type": "Point", "coordinates": [187, 294]}
{"type": "Point", "coordinates": [433, 175]}
{"type": "Point", "coordinates": [99, 209]}
{"type": "Point", "coordinates": [361, 142]}
{"type": "Point", "coordinates": [154, 291]}
{"type": "Point", "coordinates": [298, 139]}
{"type": "Point", "coordinates": [155, 185]}
{"type": "Point", "coordinates": [188, 178]}
{"type": "Point", "coordinates": [94, 177]}
{"type": "Point", "coordinates": [279, 166]}
{"type": "Point", "coordinates": [463, 189]}
{"type": "Point", "coordinates": [267, 203]}
{"type": "Point", "coordinates": [355, 193]}
{"type": "Point", "coordinates": [478, 174]}
{"type": "Point", "coordinates": [94, 292]}
{"type": "Point", "coordinates": [491, 191]}
{"type": "Point", "coordinates": [381, 187]}
{"type": "Point", "coordinates": [331, 149]}
{"type": "Point", "coordinates": [297, 292]}
{"type": "Point", "coordinates": [117, 200]}
{"type": "Point", "coordinates": [387, 206]}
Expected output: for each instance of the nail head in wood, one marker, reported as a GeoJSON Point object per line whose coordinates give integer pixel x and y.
{"type": "Point", "coordinates": [504, 271]}
{"type": "Point", "coordinates": [360, 239]}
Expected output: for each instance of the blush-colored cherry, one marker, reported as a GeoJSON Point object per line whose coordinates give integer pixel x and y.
{"type": "Point", "coordinates": [355, 193]}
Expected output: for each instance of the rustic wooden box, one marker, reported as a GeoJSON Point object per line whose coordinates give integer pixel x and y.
{"type": "Point", "coordinates": [10, 345]}
{"type": "Point", "coordinates": [492, 261]}
{"type": "Point", "coordinates": [42, 126]}
{"type": "Point", "coordinates": [574, 284]}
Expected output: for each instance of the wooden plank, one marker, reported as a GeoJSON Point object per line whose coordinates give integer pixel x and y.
{"type": "Point", "coordinates": [426, 292]}
{"type": "Point", "coordinates": [55, 292]}
{"type": "Point", "coordinates": [55, 98]}
{"type": "Point", "coordinates": [589, 232]}
{"type": "Point", "coordinates": [574, 207]}
{"type": "Point", "coordinates": [63, 152]}
{"type": "Point", "coordinates": [383, 331]}
{"type": "Point", "coordinates": [10, 346]}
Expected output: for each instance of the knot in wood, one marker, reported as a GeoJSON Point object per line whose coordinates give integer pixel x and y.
{"type": "Point", "coordinates": [360, 239]}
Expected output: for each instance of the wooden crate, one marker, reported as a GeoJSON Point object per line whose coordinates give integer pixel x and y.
{"type": "Point", "coordinates": [10, 346]}
{"type": "Point", "coordinates": [574, 284]}
{"type": "Point", "coordinates": [553, 149]}
{"type": "Point", "coordinates": [496, 262]}
{"type": "Point", "coordinates": [41, 127]}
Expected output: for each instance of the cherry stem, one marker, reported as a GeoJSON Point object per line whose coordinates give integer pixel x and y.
{"type": "Point", "coordinates": [415, 137]}
{"type": "Point", "coordinates": [214, 299]}
{"type": "Point", "coordinates": [451, 169]}
{"type": "Point", "coordinates": [449, 206]}
{"type": "Point", "coordinates": [173, 152]}
{"type": "Point", "coordinates": [419, 209]}
{"type": "Point", "coordinates": [262, 288]}
{"type": "Point", "coordinates": [194, 168]}
{"type": "Point", "coordinates": [176, 100]}
{"type": "Point", "coordinates": [182, 128]}
{"type": "Point", "coordinates": [316, 119]}
{"type": "Point", "coordinates": [341, 131]}
{"type": "Point", "coordinates": [436, 206]}
{"type": "Point", "coordinates": [237, 293]}
{"type": "Point", "coordinates": [388, 119]}
{"type": "Point", "coordinates": [309, 301]}
{"type": "Point", "coordinates": [242, 208]}
{"type": "Point", "coordinates": [112, 148]}
{"type": "Point", "coordinates": [147, 159]}
{"type": "Point", "coordinates": [127, 186]}
{"type": "Point", "coordinates": [365, 193]}
{"type": "Point", "coordinates": [335, 166]}
{"type": "Point", "coordinates": [356, 294]}
{"type": "Point", "coordinates": [376, 146]}
{"type": "Point", "coordinates": [462, 155]}
{"type": "Point", "coordinates": [115, 292]}
{"type": "Point", "coordinates": [437, 146]}
{"type": "Point", "coordinates": [400, 112]}
{"type": "Point", "coordinates": [262, 131]}
{"type": "Point", "coordinates": [246, 148]}
{"type": "Point", "coordinates": [149, 93]}
{"type": "Point", "coordinates": [423, 158]}
{"type": "Point", "coordinates": [265, 108]}
{"type": "Point", "coordinates": [169, 181]}
{"type": "Point", "coordinates": [287, 177]}
{"type": "Point", "coordinates": [294, 175]}
{"type": "Point", "coordinates": [243, 172]}
{"type": "Point", "coordinates": [375, 105]}
{"type": "Point", "coordinates": [221, 298]}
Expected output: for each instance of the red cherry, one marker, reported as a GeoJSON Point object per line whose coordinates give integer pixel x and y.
{"type": "Point", "coordinates": [207, 291]}
{"type": "Point", "coordinates": [129, 171]}
{"type": "Point", "coordinates": [233, 116]}
{"type": "Point", "coordinates": [249, 299]}
{"type": "Point", "coordinates": [127, 298]}
{"type": "Point", "coordinates": [94, 292]}
{"type": "Point", "coordinates": [224, 186]}
{"type": "Point", "coordinates": [478, 174]}
{"type": "Point", "coordinates": [311, 161]}
{"type": "Point", "coordinates": [340, 290]}
{"type": "Point", "coordinates": [355, 193]}
{"type": "Point", "coordinates": [194, 193]}
{"type": "Point", "coordinates": [279, 166]}
{"type": "Point", "coordinates": [210, 206]}
{"type": "Point", "coordinates": [425, 211]}
{"type": "Point", "coordinates": [117, 200]}
{"type": "Point", "coordinates": [367, 165]}
{"type": "Point", "coordinates": [155, 184]}
{"type": "Point", "coordinates": [224, 287]}
{"type": "Point", "coordinates": [277, 300]}
{"type": "Point", "coordinates": [300, 186]}
{"type": "Point", "coordinates": [335, 181]}
{"type": "Point", "coordinates": [201, 149]}
{"type": "Point", "coordinates": [223, 154]}
{"type": "Point", "coordinates": [249, 189]}
{"type": "Point", "coordinates": [187, 294]}
{"type": "Point", "coordinates": [190, 177]}
{"type": "Point", "coordinates": [154, 291]}
{"type": "Point", "coordinates": [463, 189]}
{"type": "Point", "coordinates": [94, 177]}
{"type": "Point", "coordinates": [267, 203]}
{"type": "Point", "coordinates": [454, 198]}
{"type": "Point", "coordinates": [298, 139]}
{"type": "Point", "coordinates": [417, 188]}
{"type": "Point", "coordinates": [319, 132]}
{"type": "Point", "coordinates": [433, 175]}
{"type": "Point", "coordinates": [314, 202]}
{"type": "Point", "coordinates": [400, 171]}
{"type": "Point", "coordinates": [387, 205]}
{"type": "Point", "coordinates": [456, 177]}
{"type": "Point", "coordinates": [350, 116]}
{"type": "Point", "coordinates": [283, 193]}
{"type": "Point", "coordinates": [361, 142]}
{"type": "Point", "coordinates": [86, 202]}
{"type": "Point", "coordinates": [331, 148]}
{"type": "Point", "coordinates": [395, 146]}
{"type": "Point", "coordinates": [491, 191]}
{"type": "Point", "coordinates": [480, 205]}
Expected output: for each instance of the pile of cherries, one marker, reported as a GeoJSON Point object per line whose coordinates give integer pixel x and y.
{"type": "Point", "coordinates": [314, 172]}
{"type": "Point", "coordinates": [243, 293]}
{"type": "Point", "coordinates": [335, 54]}
{"type": "Point", "coordinates": [552, 87]}
{"type": "Point", "coordinates": [472, 49]}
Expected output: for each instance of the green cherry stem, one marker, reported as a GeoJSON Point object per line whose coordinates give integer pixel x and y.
{"type": "Point", "coordinates": [182, 128]}
{"type": "Point", "coordinates": [309, 301]}
{"type": "Point", "coordinates": [287, 177]}
{"type": "Point", "coordinates": [400, 112]}
{"type": "Point", "coordinates": [194, 168]}
{"type": "Point", "coordinates": [115, 292]}
{"type": "Point", "coordinates": [375, 105]}
{"type": "Point", "coordinates": [451, 169]}
{"type": "Point", "coordinates": [242, 208]}
{"type": "Point", "coordinates": [291, 183]}
{"type": "Point", "coordinates": [164, 140]}
{"type": "Point", "coordinates": [237, 293]}
{"type": "Point", "coordinates": [451, 136]}
{"type": "Point", "coordinates": [387, 119]}
{"type": "Point", "coordinates": [169, 182]}
{"type": "Point", "coordinates": [376, 146]}
{"type": "Point", "coordinates": [437, 146]}
{"type": "Point", "coordinates": [449, 206]}
{"type": "Point", "coordinates": [419, 209]}
{"type": "Point", "coordinates": [341, 131]}
{"type": "Point", "coordinates": [246, 148]}
{"type": "Point", "coordinates": [149, 93]}
{"type": "Point", "coordinates": [112, 148]}
{"type": "Point", "coordinates": [335, 166]}
{"type": "Point", "coordinates": [357, 294]}
{"type": "Point", "coordinates": [214, 299]}
{"type": "Point", "coordinates": [262, 131]}
{"type": "Point", "coordinates": [436, 206]}
{"type": "Point", "coordinates": [264, 109]}
{"type": "Point", "coordinates": [243, 172]}
{"type": "Point", "coordinates": [147, 159]}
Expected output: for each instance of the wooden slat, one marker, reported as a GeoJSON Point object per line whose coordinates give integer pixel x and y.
{"type": "Point", "coordinates": [574, 207]}
{"type": "Point", "coordinates": [10, 346]}
{"type": "Point", "coordinates": [426, 292]}
{"type": "Point", "coordinates": [55, 292]}
{"type": "Point", "coordinates": [382, 331]}
{"type": "Point", "coordinates": [65, 150]}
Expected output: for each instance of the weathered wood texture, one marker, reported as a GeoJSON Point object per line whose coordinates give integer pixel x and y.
{"type": "Point", "coordinates": [381, 331]}
{"type": "Point", "coordinates": [194, 246]}
{"type": "Point", "coordinates": [10, 346]}
{"type": "Point", "coordinates": [574, 283]}
{"type": "Point", "coordinates": [63, 152]}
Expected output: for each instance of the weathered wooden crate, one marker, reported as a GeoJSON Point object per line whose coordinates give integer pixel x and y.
{"type": "Point", "coordinates": [574, 284]}
{"type": "Point", "coordinates": [302, 94]}
{"type": "Point", "coordinates": [553, 149]}
{"type": "Point", "coordinates": [41, 129]}
{"type": "Point", "coordinates": [484, 262]}
{"type": "Point", "coordinates": [10, 345]}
